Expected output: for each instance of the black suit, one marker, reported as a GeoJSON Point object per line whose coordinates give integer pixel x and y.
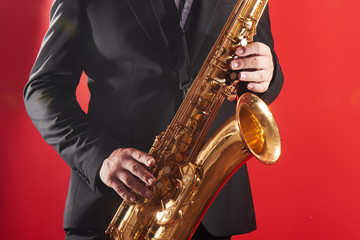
{"type": "Point", "coordinates": [134, 85]}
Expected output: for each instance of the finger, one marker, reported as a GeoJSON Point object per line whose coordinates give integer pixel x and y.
{"type": "Point", "coordinates": [255, 48]}
{"type": "Point", "coordinates": [123, 192]}
{"type": "Point", "coordinates": [258, 87]}
{"type": "Point", "coordinates": [132, 183]}
{"type": "Point", "coordinates": [139, 171]}
{"type": "Point", "coordinates": [255, 76]}
{"type": "Point", "coordinates": [142, 157]}
{"type": "Point", "coordinates": [253, 62]}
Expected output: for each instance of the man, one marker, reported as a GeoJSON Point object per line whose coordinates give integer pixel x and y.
{"type": "Point", "coordinates": [133, 54]}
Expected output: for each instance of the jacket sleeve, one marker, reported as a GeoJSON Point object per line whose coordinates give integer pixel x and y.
{"type": "Point", "coordinates": [50, 94]}
{"type": "Point", "coordinates": [264, 35]}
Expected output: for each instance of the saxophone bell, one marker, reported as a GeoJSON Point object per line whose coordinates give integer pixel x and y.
{"type": "Point", "coordinates": [258, 128]}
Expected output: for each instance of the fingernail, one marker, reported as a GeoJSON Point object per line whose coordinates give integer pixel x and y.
{"type": "Point", "coordinates": [242, 76]}
{"type": "Point", "coordinates": [148, 194]}
{"type": "Point", "coordinates": [234, 64]}
{"type": "Point", "coordinates": [250, 86]}
{"type": "Point", "coordinates": [239, 51]}
{"type": "Point", "coordinates": [150, 161]}
{"type": "Point", "coordinates": [132, 199]}
{"type": "Point", "coordinates": [151, 181]}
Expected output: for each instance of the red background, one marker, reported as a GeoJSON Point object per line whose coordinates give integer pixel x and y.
{"type": "Point", "coordinates": [311, 193]}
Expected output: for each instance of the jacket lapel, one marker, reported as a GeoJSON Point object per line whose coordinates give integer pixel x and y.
{"type": "Point", "coordinates": [146, 17]}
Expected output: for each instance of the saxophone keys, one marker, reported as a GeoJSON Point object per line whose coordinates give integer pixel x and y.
{"type": "Point", "coordinates": [179, 184]}
{"type": "Point", "coordinates": [231, 97]}
{"type": "Point", "coordinates": [243, 42]}
{"type": "Point", "coordinates": [184, 142]}
{"type": "Point", "coordinates": [168, 213]}
{"type": "Point", "coordinates": [235, 40]}
{"type": "Point", "coordinates": [215, 85]}
{"type": "Point", "coordinates": [171, 163]}
{"type": "Point", "coordinates": [231, 93]}
{"type": "Point", "coordinates": [163, 188]}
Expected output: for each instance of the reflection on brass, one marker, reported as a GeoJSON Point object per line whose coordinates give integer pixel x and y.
{"type": "Point", "coordinates": [190, 171]}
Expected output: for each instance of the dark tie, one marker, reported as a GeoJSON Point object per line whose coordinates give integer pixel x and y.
{"type": "Point", "coordinates": [181, 7]}
{"type": "Point", "coordinates": [170, 22]}
{"type": "Point", "coordinates": [183, 56]}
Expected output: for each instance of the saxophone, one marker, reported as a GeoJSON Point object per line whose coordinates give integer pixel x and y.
{"type": "Point", "coordinates": [190, 172]}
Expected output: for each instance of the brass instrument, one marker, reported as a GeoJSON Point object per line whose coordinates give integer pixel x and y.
{"type": "Point", "coordinates": [189, 173]}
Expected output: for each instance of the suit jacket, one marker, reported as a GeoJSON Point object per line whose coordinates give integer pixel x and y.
{"type": "Point", "coordinates": [134, 87]}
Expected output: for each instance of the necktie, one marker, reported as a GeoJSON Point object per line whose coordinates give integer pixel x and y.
{"type": "Point", "coordinates": [183, 54]}
{"type": "Point", "coordinates": [169, 17]}
{"type": "Point", "coordinates": [181, 7]}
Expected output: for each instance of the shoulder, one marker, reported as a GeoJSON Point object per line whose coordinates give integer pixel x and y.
{"type": "Point", "coordinates": [68, 5]}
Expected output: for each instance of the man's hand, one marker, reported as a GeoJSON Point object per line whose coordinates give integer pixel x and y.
{"type": "Point", "coordinates": [124, 170]}
{"type": "Point", "coordinates": [255, 66]}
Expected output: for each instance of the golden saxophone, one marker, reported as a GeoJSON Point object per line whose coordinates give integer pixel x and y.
{"type": "Point", "coordinates": [189, 173]}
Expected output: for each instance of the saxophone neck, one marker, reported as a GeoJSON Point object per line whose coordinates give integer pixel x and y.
{"type": "Point", "coordinates": [247, 16]}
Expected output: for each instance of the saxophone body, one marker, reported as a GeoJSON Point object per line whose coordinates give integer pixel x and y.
{"type": "Point", "coordinates": [189, 171]}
